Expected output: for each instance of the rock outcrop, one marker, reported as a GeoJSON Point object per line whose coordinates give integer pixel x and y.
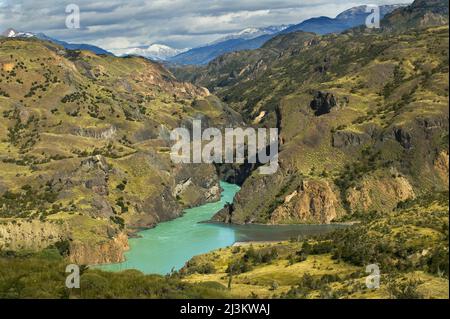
{"type": "Point", "coordinates": [441, 165]}
{"type": "Point", "coordinates": [110, 251]}
{"type": "Point", "coordinates": [380, 193]}
{"type": "Point", "coordinates": [343, 139]}
{"type": "Point", "coordinates": [323, 102]}
{"type": "Point", "coordinates": [314, 202]}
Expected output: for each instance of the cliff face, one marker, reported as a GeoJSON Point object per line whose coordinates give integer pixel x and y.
{"type": "Point", "coordinates": [111, 251]}
{"type": "Point", "coordinates": [36, 235]}
{"type": "Point", "coordinates": [441, 165]}
{"type": "Point", "coordinates": [313, 202]}
{"type": "Point", "coordinates": [379, 193]}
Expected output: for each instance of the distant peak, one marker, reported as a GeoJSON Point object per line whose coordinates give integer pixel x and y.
{"type": "Point", "coordinates": [12, 33]}
{"type": "Point", "coordinates": [251, 33]}
{"type": "Point", "coordinates": [155, 51]}
{"type": "Point", "coordinates": [363, 10]}
{"type": "Point", "coordinates": [9, 33]}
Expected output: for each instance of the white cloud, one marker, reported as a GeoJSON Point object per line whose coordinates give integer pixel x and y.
{"type": "Point", "coordinates": [118, 24]}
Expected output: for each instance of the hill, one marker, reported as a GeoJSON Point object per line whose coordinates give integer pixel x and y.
{"type": "Point", "coordinates": [421, 14]}
{"type": "Point", "coordinates": [11, 33]}
{"type": "Point", "coordinates": [409, 246]}
{"type": "Point", "coordinates": [85, 148]}
{"type": "Point", "coordinates": [362, 115]}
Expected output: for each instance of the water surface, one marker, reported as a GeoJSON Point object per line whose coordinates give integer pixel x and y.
{"type": "Point", "coordinates": [170, 245]}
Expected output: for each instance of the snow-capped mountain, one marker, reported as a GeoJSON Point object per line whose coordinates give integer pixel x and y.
{"type": "Point", "coordinates": [252, 33]}
{"type": "Point", "coordinates": [253, 38]}
{"type": "Point", "coordinates": [247, 39]}
{"type": "Point", "coordinates": [347, 19]}
{"type": "Point", "coordinates": [11, 33]}
{"type": "Point", "coordinates": [361, 12]}
{"type": "Point", "coordinates": [159, 52]}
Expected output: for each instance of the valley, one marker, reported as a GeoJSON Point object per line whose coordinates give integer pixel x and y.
{"type": "Point", "coordinates": [362, 114]}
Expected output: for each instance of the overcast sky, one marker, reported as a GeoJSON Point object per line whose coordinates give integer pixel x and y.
{"type": "Point", "coordinates": [120, 24]}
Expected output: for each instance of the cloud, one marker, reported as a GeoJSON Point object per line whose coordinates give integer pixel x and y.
{"type": "Point", "coordinates": [119, 24]}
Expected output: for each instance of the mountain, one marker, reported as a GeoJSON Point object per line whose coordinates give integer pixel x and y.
{"type": "Point", "coordinates": [234, 68]}
{"type": "Point", "coordinates": [250, 38]}
{"type": "Point", "coordinates": [254, 38]}
{"type": "Point", "coordinates": [247, 39]}
{"type": "Point", "coordinates": [11, 33]}
{"type": "Point", "coordinates": [251, 33]}
{"type": "Point", "coordinates": [203, 55]}
{"type": "Point", "coordinates": [88, 139]}
{"type": "Point", "coordinates": [157, 52]}
{"type": "Point", "coordinates": [358, 15]}
{"type": "Point", "coordinates": [421, 14]}
{"type": "Point", "coordinates": [362, 115]}
{"type": "Point", "coordinates": [348, 19]}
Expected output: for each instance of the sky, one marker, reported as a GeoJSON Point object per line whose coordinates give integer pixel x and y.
{"type": "Point", "coordinates": [116, 25]}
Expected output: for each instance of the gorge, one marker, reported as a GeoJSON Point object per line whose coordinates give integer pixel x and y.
{"type": "Point", "coordinates": [168, 246]}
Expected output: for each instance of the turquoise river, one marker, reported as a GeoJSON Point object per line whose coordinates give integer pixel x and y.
{"type": "Point", "coordinates": [170, 245]}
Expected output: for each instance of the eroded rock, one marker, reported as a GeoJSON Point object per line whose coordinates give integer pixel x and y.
{"type": "Point", "coordinates": [441, 165]}
{"type": "Point", "coordinates": [109, 251]}
{"type": "Point", "coordinates": [314, 201]}
{"type": "Point", "coordinates": [381, 193]}
{"type": "Point", "coordinates": [323, 102]}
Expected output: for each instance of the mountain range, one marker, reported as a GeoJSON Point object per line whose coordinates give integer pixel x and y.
{"type": "Point", "coordinates": [11, 33]}
{"type": "Point", "coordinates": [350, 18]}
{"type": "Point", "coordinates": [252, 33]}
{"type": "Point", "coordinates": [363, 141]}
{"type": "Point", "coordinates": [246, 39]}
{"type": "Point", "coordinates": [250, 39]}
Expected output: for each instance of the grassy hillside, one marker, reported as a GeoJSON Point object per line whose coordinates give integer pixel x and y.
{"type": "Point", "coordinates": [363, 116]}
{"type": "Point", "coordinates": [363, 120]}
{"type": "Point", "coordinates": [84, 148]}
{"type": "Point", "coordinates": [410, 247]}
{"type": "Point", "coordinates": [421, 14]}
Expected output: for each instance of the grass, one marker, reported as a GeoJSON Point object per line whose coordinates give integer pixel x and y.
{"type": "Point", "coordinates": [409, 245]}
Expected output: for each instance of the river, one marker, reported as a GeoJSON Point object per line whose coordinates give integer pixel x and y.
{"type": "Point", "coordinates": [171, 244]}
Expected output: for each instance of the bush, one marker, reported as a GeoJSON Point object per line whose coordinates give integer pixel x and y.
{"type": "Point", "coordinates": [404, 289]}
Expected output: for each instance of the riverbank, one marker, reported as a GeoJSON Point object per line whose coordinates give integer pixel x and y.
{"type": "Point", "coordinates": [169, 245]}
